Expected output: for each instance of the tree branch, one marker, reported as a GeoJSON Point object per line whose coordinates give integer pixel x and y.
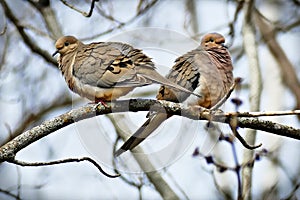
{"type": "Point", "coordinates": [10, 149]}
{"type": "Point", "coordinates": [85, 14]}
{"type": "Point", "coordinates": [289, 76]}
{"type": "Point", "coordinates": [67, 160]}
{"type": "Point", "coordinates": [250, 47]}
{"type": "Point", "coordinates": [27, 40]}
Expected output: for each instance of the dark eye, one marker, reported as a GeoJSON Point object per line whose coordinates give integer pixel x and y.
{"type": "Point", "coordinates": [67, 44]}
{"type": "Point", "coordinates": [211, 40]}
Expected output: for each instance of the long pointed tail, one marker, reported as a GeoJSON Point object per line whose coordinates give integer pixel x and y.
{"type": "Point", "coordinates": [156, 77]}
{"type": "Point", "coordinates": [142, 133]}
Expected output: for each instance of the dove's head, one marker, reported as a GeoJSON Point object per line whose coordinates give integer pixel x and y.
{"type": "Point", "coordinates": [213, 40]}
{"type": "Point", "coordinates": [66, 45]}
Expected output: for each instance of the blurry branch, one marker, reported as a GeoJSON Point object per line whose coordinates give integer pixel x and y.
{"type": "Point", "coordinates": [9, 150]}
{"type": "Point", "coordinates": [154, 176]}
{"type": "Point", "coordinates": [235, 132]}
{"type": "Point", "coordinates": [288, 27]}
{"type": "Point", "coordinates": [30, 118]}
{"type": "Point", "coordinates": [250, 46]}
{"type": "Point", "coordinates": [289, 76]}
{"type": "Point", "coordinates": [36, 30]}
{"type": "Point", "coordinates": [8, 193]}
{"type": "Point", "coordinates": [191, 16]}
{"type": "Point", "coordinates": [67, 160]}
{"type": "Point", "coordinates": [296, 2]}
{"type": "Point", "coordinates": [85, 14]}
{"type": "Point", "coordinates": [236, 14]}
{"type": "Point", "coordinates": [222, 168]}
{"type": "Point", "coordinates": [292, 194]}
{"type": "Point", "coordinates": [4, 29]}
{"type": "Point", "coordinates": [28, 41]}
{"type": "Point", "coordinates": [122, 24]}
{"type": "Point", "coordinates": [43, 6]}
{"type": "Point", "coordinates": [105, 15]}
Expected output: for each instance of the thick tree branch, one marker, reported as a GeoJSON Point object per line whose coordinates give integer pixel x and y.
{"type": "Point", "coordinates": [10, 149]}
{"type": "Point", "coordinates": [255, 89]}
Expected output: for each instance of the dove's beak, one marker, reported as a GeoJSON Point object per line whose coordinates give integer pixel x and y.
{"type": "Point", "coordinates": [56, 52]}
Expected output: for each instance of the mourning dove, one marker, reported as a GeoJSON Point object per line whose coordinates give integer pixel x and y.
{"type": "Point", "coordinates": [104, 71]}
{"type": "Point", "coordinates": [206, 70]}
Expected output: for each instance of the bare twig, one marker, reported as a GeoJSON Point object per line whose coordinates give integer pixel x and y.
{"type": "Point", "coordinates": [289, 27]}
{"type": "Point", "coordinates": [122, 24]}
{"type": "Point", "coordinates": [107, 16]}
{"type": "Point", "coordinates": [56, 162]}
{"type": "Point", "coordinates": [241, 139]}
{"type": "Point", "coordinates": [89, 14]}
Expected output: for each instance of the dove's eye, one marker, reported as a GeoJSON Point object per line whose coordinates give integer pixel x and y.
{"type": "Point", "coordinates": [67, 44]}
{"type": "Point", "coordinates": [211, 40]}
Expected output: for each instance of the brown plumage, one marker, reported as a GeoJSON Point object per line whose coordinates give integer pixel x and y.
{"type": "Point", "coordinates": [206, 70]}
{"type": "Point", "coordinates": [104, 71]}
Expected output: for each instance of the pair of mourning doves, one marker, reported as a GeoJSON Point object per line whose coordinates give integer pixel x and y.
{"type": "Point", "coordinates": [206, 70]}
{"type": "Point", "coordinates": [105, 71]}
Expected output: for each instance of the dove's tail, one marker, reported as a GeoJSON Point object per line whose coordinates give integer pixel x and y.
{"type": "Point", "coordinates": [157, 78]}
{"type": "Point", "coordinates": [143, 132]}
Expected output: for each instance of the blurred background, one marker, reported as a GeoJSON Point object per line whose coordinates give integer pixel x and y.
{"type": "Point", "coordinates": [33, 90]}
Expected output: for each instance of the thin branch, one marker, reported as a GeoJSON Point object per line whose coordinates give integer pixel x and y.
{"type": "Point", "coordinates": [237, 170]}
{"type": "Point", "coordinates": [264, 113]}
{"type": "Point", "coordinates": [122, 24]}
{"type": "Point", "coordinates": [8, 193]}
{"type": "Point", "coordinates": [10, 149]}
{"type": "Point", "coordinates": [292, 193]}
{"type": "Point", "coordinates": [288, 27]}
{"type": "Point", "coordinates": [28, 41]}
{"type": "Point", "coordinates": [107, 16]}
{"type": "Point", "coordinates": [241, 139]}
{"type": "Point", "coordinates": [85, 14]}
{"type": "Point", "coordinates": [36, 30]}
{"type": "Point", "coordinates": [56, 162]}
